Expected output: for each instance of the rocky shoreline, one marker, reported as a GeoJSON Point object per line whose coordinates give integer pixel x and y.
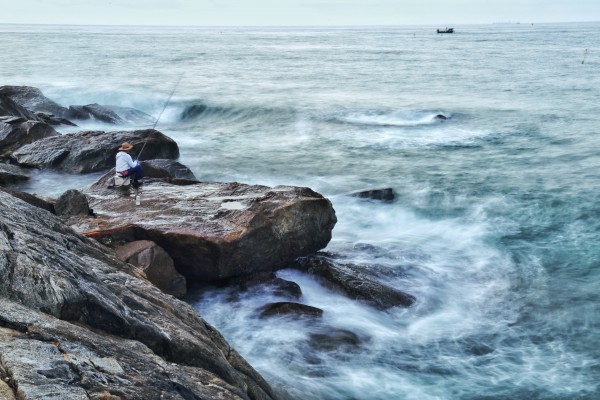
{"type": "Point", "coordinates": [88, 299]}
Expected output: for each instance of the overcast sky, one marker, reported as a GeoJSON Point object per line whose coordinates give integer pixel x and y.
{"type": "Point", "coordinates": [296, 12]}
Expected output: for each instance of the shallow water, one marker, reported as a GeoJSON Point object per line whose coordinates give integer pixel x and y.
{"type": "Point", "coordinates": [495, 226]}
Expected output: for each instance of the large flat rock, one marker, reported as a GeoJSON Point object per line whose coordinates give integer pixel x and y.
{"type": "Point", "coordinates": [215, 231]}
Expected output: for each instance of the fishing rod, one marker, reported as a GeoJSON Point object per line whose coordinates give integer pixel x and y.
{"type": "Point", "coordinates": [161, 112]}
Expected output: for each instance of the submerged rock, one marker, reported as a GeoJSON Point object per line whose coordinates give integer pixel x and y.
{"type": "Point", "coordinates": [386, 194]}
{"type": "Point", "coordinates": [291, 309]}
{"type": "Point", "coordinates": [93, 151]}
{"type": "Point", "coordinates": [335, 339]}
{"type": "Point", "coordinates": [156, 265]}
{"type": "Point", "coordinates": [76, 322]}
{"type": "Point", "coordinates": [352, 281]}
{"type": "Point", "coordinates": [216, 231]}
{"type": "Point", "coordinates": [15, 135]}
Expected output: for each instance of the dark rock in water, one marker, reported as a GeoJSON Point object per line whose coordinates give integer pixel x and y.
{"type": "Point", "coordinates": [52, 120]}
{"type": "Point", "coordinates": [352, 281]}
{"type": "Point", "coordinates": [16, 135]}
{"type": "Point", "coordinates": [95, 111]}
{"type": "Point", "coordinates": [32, 199]}
{"type": "Point", "coordinates": [287, 288]}
{"type": "Point", "coordinates": [93, 151]}
{"type": "Point", "coordinates": [331, 339]}
{"type": "Point", "coordinates": [386, 194]}
{"type": "Point", "coordinates": [216, 231]}
{"type": "Point", "coordinates": [440, 117]}
{"type": "Point", "coordinates": [69, 306]}
{"type": "Point", "coordinates": [8, 107]}
{"type": "Point", "coordinates": [156, 265]}
{"type": "Point", "coordinates": [12, 174]}
{"type": "Point", "coordinates": [12, 120]}
{"type": "Point", "coordinates": [72, 202]}
{"type": "Point", "coordinates": [32, 99]}
{"type": "Point", "coordinates": [290, 308]}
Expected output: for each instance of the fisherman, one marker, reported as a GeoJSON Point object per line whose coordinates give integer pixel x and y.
{"type": "Point", "coordinates": [126, 166]}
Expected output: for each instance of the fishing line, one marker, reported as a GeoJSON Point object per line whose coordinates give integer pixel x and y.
{"type": "Point", "coordinates": [162, 111]}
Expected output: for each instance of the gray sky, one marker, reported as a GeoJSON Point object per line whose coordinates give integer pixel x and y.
{"type": "Point", "coordinates": [296, 12]}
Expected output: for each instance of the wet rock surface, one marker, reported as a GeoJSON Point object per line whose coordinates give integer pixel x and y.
{"type": "Point", "coordinates": [77, 322]}
{"type": "Point", "coordinates": [216, 231]}
{"type": "Point", "coordinates": [19, 133]}
{"type": "Point", "coordinates": [72, 203]}
{"type": "Point", "coordinates": [12, 174]}
{"type": "Point", "coordinates": [353, 281]}
{"type": "Point", "coordinates": [93, 151]}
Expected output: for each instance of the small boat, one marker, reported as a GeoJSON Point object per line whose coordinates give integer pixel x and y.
{"type": "Point", "coordinates": [446, 30]}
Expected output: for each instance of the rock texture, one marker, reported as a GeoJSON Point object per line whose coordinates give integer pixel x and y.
{"type": "Point", "coordinates": [33, 99]}
{"type": "Point", "coordinates": [72, 203]}
{"type": "Point", "coordinates": [215, 231]}
{"type": "Point", "coordinates": [156, 264]}
{"type": "Point", "coordinates": [12, 174]}
{"type": "Point", "coordinates": [93, 151]}
{"type": "Point", "coordinates": [351, 280]}
{"type": "Point", "coordinates": [20, 133]}
{"type": "Point", "coordinates": [76, 322]}
{"type": "Point", "coordinates": [10, 108]}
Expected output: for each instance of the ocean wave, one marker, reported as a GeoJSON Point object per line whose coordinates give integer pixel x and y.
{"type": "Point", "coordinates": [394, 119]}
{"type": "Point", "coordinates": [198, 110]}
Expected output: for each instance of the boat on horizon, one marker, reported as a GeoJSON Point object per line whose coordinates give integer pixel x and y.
{"type": "Point", "coordinates": [445, 30]}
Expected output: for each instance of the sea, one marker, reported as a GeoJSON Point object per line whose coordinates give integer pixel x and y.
{"type": "Point", "coordinates": [495, 224]}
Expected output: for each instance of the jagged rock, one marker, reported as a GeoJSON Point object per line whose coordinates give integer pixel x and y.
{"type": "Point", "coordinates": [15, 135]}
{"type": "Point", "coordinates": [77, 321]}
{"type": "Point", "coordinates": [352, 281]}
{"type": "Point", "coordinates": [95, 111]}
{"type": "Point", "coordinates": [52, 120]}
{"type": "Point", "coordinates": [12, 173]}
{"type": "Point", "coordinates": [216, 231]}
{"type": "Point", "coordinates": [93, 151]}
{"type": "Point", "coordinates": [290, 308]}
{"type": "Point", "coordinates": [156, 264]}
{"type": "Point", "coordinates": [71, 203]}
{"type": "Point", "coordinates": [8, 107]}
{"type": "Point", "coordinates": [32, 99]}
{"type": "Point", "coordinates": [31, 199]}
{"type": "Point", "coordinates": [386, 194]}
{"type": "Point", "coordinates": [278, 286]}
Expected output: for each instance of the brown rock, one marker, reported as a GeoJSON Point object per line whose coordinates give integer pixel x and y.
{"type": "Point", "coordinates": [216, 231]}
{"type": "Point", "coordinates": [156, 264]}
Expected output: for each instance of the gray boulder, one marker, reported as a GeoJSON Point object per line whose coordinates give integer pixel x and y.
{"type": "Point", "coordinates": [76, 322]}
{"type": "Point", "coordinates": [156, 265]}
{"type": "Point", "coordinates": [93, 151]}
{"type": "Point", "coordinates": [12, 174]}
{"type": "Point", "coordinates": [9, 108]}
{"type": "Point", "coordinates": [32, 199]}
{"type": "Point", "coordinates": [95, 111]}
{"type": "Point", "coordinates": [34, 100]}
{"type": "Point", "coordinates": [72, 203]}
{"type": "Point", "coordinates": [15, 135]}
{"type": "Point", "coordinates": [216, 231]}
